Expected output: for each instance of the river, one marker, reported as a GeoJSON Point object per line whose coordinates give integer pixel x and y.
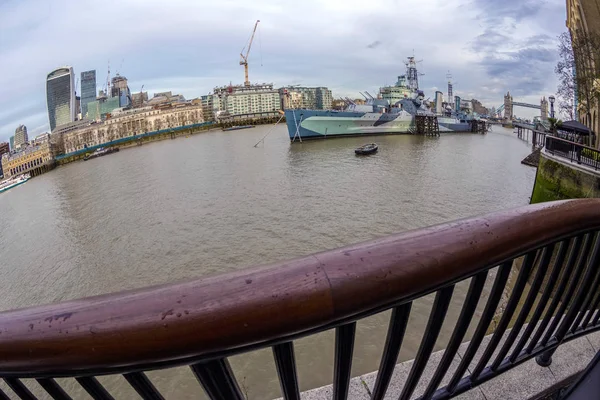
{"type": "Point", "coordinates": [213, 203]}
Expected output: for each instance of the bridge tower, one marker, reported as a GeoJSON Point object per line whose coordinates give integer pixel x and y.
{"type": "Point", "coordinates": [544, 108]}
{"type": "Point", "coordinates": [508, 106]}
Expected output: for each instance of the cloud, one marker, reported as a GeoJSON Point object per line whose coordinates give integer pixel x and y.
{"type": "Point", "coordinates": [192, 46]}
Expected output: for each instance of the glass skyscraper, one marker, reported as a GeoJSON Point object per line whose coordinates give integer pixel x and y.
{"type": "Point", "coordinates": [60, 97]}
{"type": "Point", "coordinates": [88, 90]}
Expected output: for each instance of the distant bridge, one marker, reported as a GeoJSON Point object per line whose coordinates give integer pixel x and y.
{"type": "Point", "coordinates": [509, 104]}
{"type": "Point", "coordinates": [527, 105]}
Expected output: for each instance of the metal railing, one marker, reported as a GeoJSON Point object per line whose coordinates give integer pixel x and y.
{"type": "Point", "coordinates": [573, 152]}
{"type": "Point", "coordinates": [552, 248]}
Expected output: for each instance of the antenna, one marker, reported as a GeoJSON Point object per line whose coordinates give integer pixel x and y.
{"type": "Point", "coordinates": [120, 66]}
{"type": "Point", "coordinates": [107, 86]}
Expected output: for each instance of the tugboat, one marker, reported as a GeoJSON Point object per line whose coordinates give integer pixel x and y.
{"type": "Point", "coordinates": [100, 152]}
{"type": "Point", "coordinates": [237, 127]}
{"type": "Point", "coordinates": [366, 149]}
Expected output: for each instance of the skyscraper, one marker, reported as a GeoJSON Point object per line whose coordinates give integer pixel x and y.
{"type": "Point", "coordinates": [88, 90]}
{"type": "Point", "coordinates": [60, 96]}
{"type": "Point", "coordinates": [12, 143]}
{"type": "Point", "coordinates": [21, 136]}
{"type": "Point", "coordinates": [120, 89]}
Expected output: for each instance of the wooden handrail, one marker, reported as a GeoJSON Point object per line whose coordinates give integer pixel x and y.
{"type": "Point", "coordinates": [209, 317]}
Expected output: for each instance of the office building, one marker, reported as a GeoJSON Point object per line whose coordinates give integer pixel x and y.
{"type": "Point", "coordinates": [126, 124]}
{"type": "Point", "coordinates": [120, 90]}
{"type": "Point", "coordinates": [88, 90]}
{"type": "Point", "coordinates": [60, 97]}
{"type": "Point", "coordinates": [12, 143]}
{"type": "Point", "coordinates": [313, 98]}
{"type": "Point", "coordinates": [21, 137]}
{"type": "Point", "coordinates": [245, 100]}
{"type": "Point", "coordinates": [139, 99]}
{"type": "Point", "coordinates": [101, 107]}
{"type": "Point", "coordinates": [164, 98]}
{"type": "Point", "coordinates": [4, 148]}
{"type": "Point", "coordinates": [33, 160]}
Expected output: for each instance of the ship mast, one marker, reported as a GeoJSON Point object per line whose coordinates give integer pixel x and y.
{"type": "Point", "coordinates": [411, 74]}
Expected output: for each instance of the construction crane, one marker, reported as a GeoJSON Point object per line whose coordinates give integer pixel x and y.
{"type": "Point", "coordinates": [244, 58]}
{"type": "Point", "coordinates": [141, 96]}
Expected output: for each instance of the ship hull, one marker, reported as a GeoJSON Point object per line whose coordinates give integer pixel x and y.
{"type": "Point", "coordinates": [322, 124]}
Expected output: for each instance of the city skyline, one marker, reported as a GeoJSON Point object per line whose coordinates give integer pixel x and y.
{"type": "Point", "coordinates": [348, 49]}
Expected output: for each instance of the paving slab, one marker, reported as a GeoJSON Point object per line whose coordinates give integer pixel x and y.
{"type": "Point", "coordinates": [571, 358]}
{"type": "Point", "coordinates": [356, 391]}
{"type": "Point", "coordinates": [402, 370]}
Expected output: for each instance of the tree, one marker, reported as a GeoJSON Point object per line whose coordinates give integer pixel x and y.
{"type": "Point", "coordinates": [565, 69]}
{"type": "Point", "coordinates": [578, 72]}
{"type": "Point", "coordinates": [554, 123]}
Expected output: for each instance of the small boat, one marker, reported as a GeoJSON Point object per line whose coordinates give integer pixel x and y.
{"type": "Point", "coordinates": [366, 149]}
{"type": "Point", "coordinates": [236, 127]}
{"type": "Point", "coordinates": [100, 152]}
{"type": "Point", "coordinates": [11, 183]}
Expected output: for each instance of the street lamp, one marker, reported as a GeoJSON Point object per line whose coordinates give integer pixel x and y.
{"type": "Point", "coordinates": [552, 99]}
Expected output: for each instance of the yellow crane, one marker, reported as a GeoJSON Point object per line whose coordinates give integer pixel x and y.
{"type": "Point", "coordinates": [244, 58]}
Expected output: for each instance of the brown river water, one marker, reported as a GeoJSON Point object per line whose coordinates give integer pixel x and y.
{"type": "Point", "coordinates": [212, 203]}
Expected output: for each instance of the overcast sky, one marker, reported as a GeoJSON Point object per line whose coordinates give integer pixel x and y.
{"type": "Point", "coordinates": [189, 47]}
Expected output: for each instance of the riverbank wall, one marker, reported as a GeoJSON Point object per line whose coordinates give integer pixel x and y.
{"type": "Point", "coordinates": [558, 179]}
{"type": "Point", "coordinates": [250, 121]}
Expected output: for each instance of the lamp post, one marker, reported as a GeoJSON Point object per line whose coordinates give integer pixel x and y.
{"type": "Point", "coordinates": [552, 99]}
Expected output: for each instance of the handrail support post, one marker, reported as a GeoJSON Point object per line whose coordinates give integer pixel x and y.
{"type": "Point", "coordinates": [545, 359]}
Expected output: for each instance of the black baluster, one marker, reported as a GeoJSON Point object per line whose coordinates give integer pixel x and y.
{"type": "Point", "coordinates": [511, 306]}
{"type": "Point", "coordinates": [587, 303]}
{"type": "Point", "coordinates": [462, 324]}
{"type": "Point", "coordinates": [545, 258]}
{"type": "Point", "coordinates": [568, 296]}
{"type": "Point", "coordinates": [286, 370]}
{"type": "Point", "coordinates": [53, 389]}
{"type": "Point", "coordinates": [593, 308]}
{"type": "Point", "coordinates": [596, 319]}
{"type": "Point", "coordinates": [393, 342]}
{"type": "Point", "coordinates": [556, 269]}
{"type": "Point", "coordinates": [432, 331]}
{"type": "Point", "coordinates": [140, 382]}
{"type": "Point", "coordinates": [19, 388]}
{"type": "Point", "coordinates": [566, 275]}
{"type": "Point", "coordinates": [94, 388]}
{"type": "Point", "coordinates": [218, 380]}
{"type": "Point", "coordinates": [592, 266]}
{"type": "Point", "coordinates": [486, 318]}
{"type": "Point", "coordinates": [344, 347]}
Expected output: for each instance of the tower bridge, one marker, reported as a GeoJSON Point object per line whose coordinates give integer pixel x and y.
{"type": "Point", "coordinates": [509, 104]}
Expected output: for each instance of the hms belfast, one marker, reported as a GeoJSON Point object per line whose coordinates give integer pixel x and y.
{"type": "Point", "coordinates": [394, 111]}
